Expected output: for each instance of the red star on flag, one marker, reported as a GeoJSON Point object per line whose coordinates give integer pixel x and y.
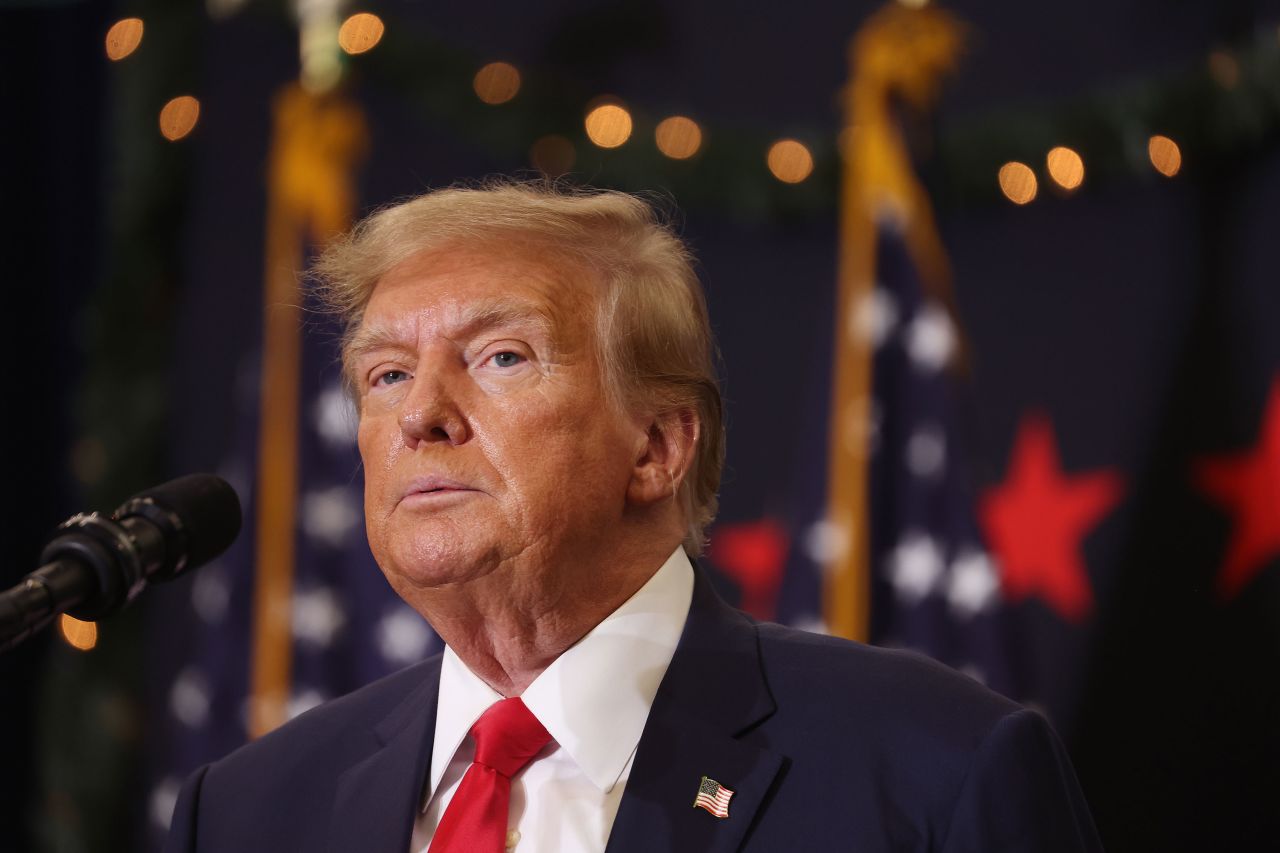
{"type": "Point", "coordinates": [1035, 519]}
{"type": "Point", "coordinates": [1248, 485]}
{"type": "Point", "coordinates": [753, 553]}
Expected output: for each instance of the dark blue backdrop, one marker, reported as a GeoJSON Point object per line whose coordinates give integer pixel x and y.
{"type": "Point", "coordinates": [1139, 316]}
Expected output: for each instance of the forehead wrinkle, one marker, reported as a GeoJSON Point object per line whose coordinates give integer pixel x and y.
{"type": "Point", "coordinates": [368, 339]}
{"type": "Point", "coordinates": [480, 317]}
{"type": "Point", "coordinates": [460, 324]}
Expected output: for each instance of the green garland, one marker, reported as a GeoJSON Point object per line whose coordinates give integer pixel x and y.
{"type": "Point", "coordinates": [1224, 110]}
{"type": "Point", "coordinates": [127, 325]}
{"type": "Point", "coordinates": [728, 173]}
{"type": "Point", "coordinates": [91, 732]}
{"type": "Point", "coordinates": [1216, 113]}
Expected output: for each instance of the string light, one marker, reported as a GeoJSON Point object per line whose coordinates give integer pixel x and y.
{"type": "Point", "coordinates": [678, 137]}
{"type": "Point", "coordinates": [1224, 68]}
{"type": "Point", "coordinates": [178, 117]}
{"type": "Point", "coordinates": [552, 155]}
{"type": "Point", "coordinates": [1017, 182]}
{"type": "Point", "coordinates": [1165, 155]}
{"type": "Point", "coordinates": [123, 38]}
{"type": "Point", "coordinates": [1065, 167]}
{"type": "Point", "coordinates": [496, 83]}
{"type": "Point", "coordinates": [360, 33]}
{"type": "Point", "coordinates": [789, 161]}
{"type": "Point", "coordinates": [88, 459]}
{"type": "Point", "coordinates": [79, 635]}
{"type": "Point", "coordinates": [608, 125]}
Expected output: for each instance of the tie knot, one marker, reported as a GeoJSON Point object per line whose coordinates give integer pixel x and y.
{"type": "Point", "coordinates": [507, 736]}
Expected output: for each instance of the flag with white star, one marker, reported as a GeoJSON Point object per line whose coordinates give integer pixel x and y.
{"type": "Point", "coordinates": [934, 585]}
{"type": "Point", "coordinates": [347, 626]}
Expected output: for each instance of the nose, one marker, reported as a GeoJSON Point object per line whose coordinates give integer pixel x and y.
{"type": "Point", "coordinates": [431, 411]}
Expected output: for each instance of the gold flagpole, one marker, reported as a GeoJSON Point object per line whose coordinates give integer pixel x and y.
{"type": "Point", "coordinates": [898, 55]}
{"type": "Point", "coordinates": [317, 139]}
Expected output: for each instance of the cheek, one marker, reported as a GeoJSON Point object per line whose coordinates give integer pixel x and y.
{"type": "Point", "coordinates": [379, 444]}
{"type": "Point", "coordinates": [561, 455]}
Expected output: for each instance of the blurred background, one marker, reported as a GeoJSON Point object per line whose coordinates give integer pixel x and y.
{"type": "Point", "coordinates": [995, 285]}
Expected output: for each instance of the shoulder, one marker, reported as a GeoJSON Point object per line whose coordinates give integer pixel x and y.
{"type": "Point", "coordinates": [337, 720]}
{"type": "Point", "coordinates": [900, 695]}
{"type": "Point", "coordinates": [926, 757]}
{"type": "Point", "coordinates": [276, 792]}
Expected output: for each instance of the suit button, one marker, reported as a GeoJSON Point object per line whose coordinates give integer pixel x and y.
{"type": "Point", "coordinates": [513, 838]}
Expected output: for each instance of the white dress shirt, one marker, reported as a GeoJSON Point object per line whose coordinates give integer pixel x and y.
{"type": "Point", "coordinates": [594, 700]}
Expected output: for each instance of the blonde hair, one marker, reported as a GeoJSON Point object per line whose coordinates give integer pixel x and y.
{"type": "Point", "coordinates": [653, 337]}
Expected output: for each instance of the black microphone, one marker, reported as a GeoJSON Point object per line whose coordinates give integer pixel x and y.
{"type": "Point", "coordinates": [95, 565]}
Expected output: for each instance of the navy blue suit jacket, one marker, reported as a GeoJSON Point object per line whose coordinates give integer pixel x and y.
{"type": "Point", "coordinates": [827, 744]}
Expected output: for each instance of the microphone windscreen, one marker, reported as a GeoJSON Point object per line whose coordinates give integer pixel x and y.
{"type": "Point", "coordinates": [206, 511]}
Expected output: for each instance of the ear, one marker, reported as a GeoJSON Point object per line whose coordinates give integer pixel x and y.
{"type": "Point", "coordinates": [664, 456]}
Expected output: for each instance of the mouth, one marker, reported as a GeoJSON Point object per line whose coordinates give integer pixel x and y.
{"type": "Point", "coordinates": [432, 488]}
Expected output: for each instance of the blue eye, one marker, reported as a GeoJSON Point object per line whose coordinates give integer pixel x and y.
{"type": "Point", "coordinates": [507, 359]}
{"type": "Point", "coordinates": [390, 377]}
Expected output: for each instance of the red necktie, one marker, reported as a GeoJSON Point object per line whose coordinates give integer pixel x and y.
{"type": "Point", "coordinates": [507, 736]}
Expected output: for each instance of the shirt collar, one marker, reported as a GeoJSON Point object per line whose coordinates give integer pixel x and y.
{"type": "Point", "coordinates": [595, 698]}
{"type": "Point", "coordinates": [462, 699]}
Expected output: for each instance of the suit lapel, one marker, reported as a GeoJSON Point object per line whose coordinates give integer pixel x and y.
{"type": "Point", "coordinates": [713, 693]}
{"type": "Point", "coordinates": [377, 797]}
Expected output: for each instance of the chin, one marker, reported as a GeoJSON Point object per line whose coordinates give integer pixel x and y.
{"type": "Point", "coordinates": [435, 558]}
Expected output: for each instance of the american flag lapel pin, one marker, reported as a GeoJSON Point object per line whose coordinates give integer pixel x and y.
{"type": "Point", "coordinates": [713, 797]}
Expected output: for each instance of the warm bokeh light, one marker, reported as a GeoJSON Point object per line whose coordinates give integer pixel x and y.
{"type": "Point", "coordinates": [360, 33]}
{"type": "Point", "coordinates": [552, 155]}
{"type": "Point", "coordinates": [678, 137]}
{"type": "Point", "coordinates": [79, 635]}
{"type": "Point", "coordinates": [1017, 182]}
{"type": "Point", "coordinates": [1065, 167]}
{"type": "Point", "coordinates": [1165, 155]}
{"type": "Point", "coordinates": [1224, 68]}
{"type": "Point", "coordinates": [497, 82]}
{"type": "Point", "coordinates": [123, 38]}
{"type": "Point", "coordinates": [790, 161]}
{"type": "Point", "coordinates": [88, 460]}
{"type": "Point", "coordinates": [179, 116]}
{"type": "Point", "coordinates": [608, 125]}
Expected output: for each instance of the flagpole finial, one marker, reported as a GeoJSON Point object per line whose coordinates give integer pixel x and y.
{"type": "Point", "coordinates": [907, 48]}
{"type": "Point", "coordinates": [318, 50]}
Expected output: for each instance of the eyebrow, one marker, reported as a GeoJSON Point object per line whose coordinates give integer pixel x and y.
{"type": "Point", "coordinates": [470, 321]}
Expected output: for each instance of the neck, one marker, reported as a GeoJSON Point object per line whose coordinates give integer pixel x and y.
{"type": "Point", "coordinates": [510, 624]}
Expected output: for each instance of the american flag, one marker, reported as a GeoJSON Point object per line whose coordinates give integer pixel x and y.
{"type": "Point", "coordinates": [713, 797]}
{"type": "Point", "coordinates": [348, 626]}
{"type": "Point", "coordinates": [935, 587]}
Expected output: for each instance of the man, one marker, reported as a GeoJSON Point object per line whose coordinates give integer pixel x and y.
{"type": "Point", "coordinates": [541, 433]}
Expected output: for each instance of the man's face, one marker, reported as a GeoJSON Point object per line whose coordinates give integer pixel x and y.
{"type": "Point", "coordinates": [487, 439]}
